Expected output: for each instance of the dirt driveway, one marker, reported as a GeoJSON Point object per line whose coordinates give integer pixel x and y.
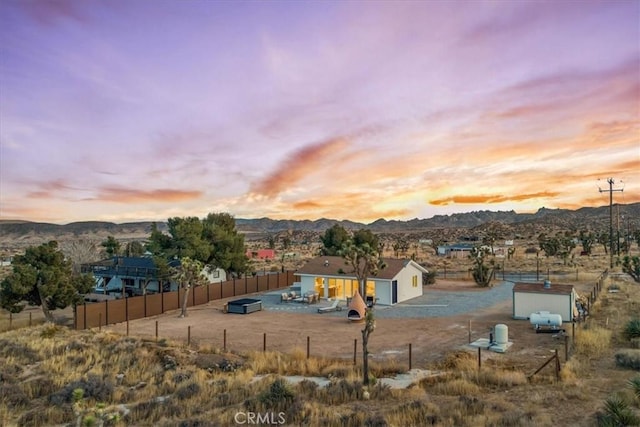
{"type": "Point", "coordinates": [332, 335]}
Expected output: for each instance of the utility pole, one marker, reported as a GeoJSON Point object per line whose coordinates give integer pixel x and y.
{"type": "Point", "coordinates": [610, 181]}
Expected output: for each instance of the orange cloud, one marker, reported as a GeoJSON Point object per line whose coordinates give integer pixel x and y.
{"type": "Point", "coordinates": [298, 165]}
{"type": "Point", "coordinates": [495, 198]}
{"type": "Point", "coordinates": [127, 195]}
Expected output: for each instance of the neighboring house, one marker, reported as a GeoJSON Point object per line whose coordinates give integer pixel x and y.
{"type": "Point", "coordinates": [134, 273]}
{"type": "Point", "coordinates": [530, 298]}
{"type": "Point", "coordinates": [261, 254]}
{"type": "Point", "coordinates": [332, 277]}
{"type": "Point", "coordinates": [459, 250]}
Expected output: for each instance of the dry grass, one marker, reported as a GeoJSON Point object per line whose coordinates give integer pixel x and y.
{"type": "Point", "coordinates": [39, 364]}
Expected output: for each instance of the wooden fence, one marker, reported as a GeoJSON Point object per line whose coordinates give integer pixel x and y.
{"type": "Point", "coordinates": [91, 315]}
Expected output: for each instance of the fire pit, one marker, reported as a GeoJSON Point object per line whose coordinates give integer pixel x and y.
{"type": "Point", "coordinates": [244, 306]}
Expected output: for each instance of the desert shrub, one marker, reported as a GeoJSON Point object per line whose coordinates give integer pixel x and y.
{"type": "Point", "coordinates": [308, 387]}
{"type": "Point", "coordinates": [12, 395]}
{"type": "Point", "coordinates": [634, 383]}
{"type": "Point", "coordinates": [628, 358]}
{"type": "Point", "coordinates": [340, 392]}
{"type": "Point", "coordinates": [187, 391]}
{"type": "Point", "coordinates": [278, 396]}
{"type": "Point", "coordinates": [415, 413]}
{"type": "Point", "coordinates": [375, 420]}
{"type": "Point", "coordinates": [38, 387]}
{"type": "Point", "coordinates": [471, 405]}
{"type": "Point", "coordinates": [181, 377]}
{"type": "Point", "coordinates": [459, 361]}
{"type": "Point", "coordinates": [19, 351]}
{"type": "Point", "coordinates": [93, 387]}
{"type": "Point", "coordinates": [50, 331]}
{"type": "Point", "coordinates": [616, 413]}
{"type": "Point", "coordinates": [593, 342]}
{"type": "Point", "coordinates": [632, 329]}
{"type": "Point", "coordinates": [456, 387]}
{"type": "Point", "coordinates": [500, 378]}
{"type": "Point", "coordinates": [429, 278]}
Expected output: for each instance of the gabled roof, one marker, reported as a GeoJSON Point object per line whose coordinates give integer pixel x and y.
{"type": "Point", "coordinates": [337, 266]}
{"type": "Point", "coordinates": [538, 288]}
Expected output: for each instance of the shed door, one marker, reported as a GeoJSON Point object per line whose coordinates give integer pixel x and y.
{"type": "Point", "coordinates": [394, 292]}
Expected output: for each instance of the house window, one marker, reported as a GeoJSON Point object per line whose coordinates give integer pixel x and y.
{"type": "Point", "coordinates": [319, 286]}
{"type": "Point", "coordinates": [216, 274]}
{"type": "Point", "coordinates": [415, 281]}
{"type": "Point", "coordinates": [371, 288]}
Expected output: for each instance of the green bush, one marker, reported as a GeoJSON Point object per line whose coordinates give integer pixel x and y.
{"type": "Point", "coordinates": [616, 413]}
{"type": "Point", "coordinates": [632, 329]}
{"type": "Point", "coordinates": [279, 395]}
{"type": "Point", "coordinates": [628, 358]}
{"type": "Point", "coordinates": [634, 383]}
{"type": "Point", "coordinates": [429, 278]}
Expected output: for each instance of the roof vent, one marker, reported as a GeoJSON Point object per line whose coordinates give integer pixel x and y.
{"type": "Point", "coordinates": [547, 284]}
{"type": "Point", "coordinates": [326, 263]}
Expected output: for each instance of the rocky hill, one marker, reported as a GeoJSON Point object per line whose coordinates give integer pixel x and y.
{"type": "Point", "coordinates": [506, 223]}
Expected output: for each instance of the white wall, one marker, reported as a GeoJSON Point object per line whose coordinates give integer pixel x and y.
{"type": "Point", "coordinates": [405, 283]}
{"type": "Point", "coordinates": [525, 303]}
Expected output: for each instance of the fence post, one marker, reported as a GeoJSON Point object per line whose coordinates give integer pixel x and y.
{"type": "Point", "coordinates": [409, 356]}
{"type": "Point", "coordinates": [10, 320]}
{"type": "Point", "coordinates": [479, 358]}
{"type": "Point", "coordinates": [189, 335]}
{"type": "Point", "coordinates": [99, 321]}
{"type": "Point", "coordinates": [355, 349]}
{"type": "Point", "coordinates": [264, 342]}
{"type": "Point", "coordinates": [566, 348]}
{"type": "Point", "coordinates": [469, 331]}
{"type": "Point", "coordinates": [573, 332]}
{"type": "Point", "coordinates": [557, 365]}
{"type": "Point", "coordinates": [127, 328]}
{"type": "Point", "coordinates": [32, 313]}
{"type": "Point", "coordinates": [308, 345]}
{"type": "Point", "coordinates": [156, 330]}
{"type": "Point", "coordinates": [224, 340]}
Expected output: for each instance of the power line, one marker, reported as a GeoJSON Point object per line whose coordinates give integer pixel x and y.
{"type": "Point", "coordinates": [611, 190]}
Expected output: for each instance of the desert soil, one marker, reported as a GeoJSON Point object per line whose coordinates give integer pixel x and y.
{"type": "Point", "coordinates": [334, 335]}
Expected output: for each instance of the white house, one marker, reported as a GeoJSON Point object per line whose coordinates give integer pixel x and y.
{"type": "Point", "coordinates": [332, 277]}
{"type": "Point", "coordinates": [533, 297]}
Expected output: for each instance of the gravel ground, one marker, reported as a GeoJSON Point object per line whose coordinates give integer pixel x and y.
{"type": "Point", "coordinates": [435, 303]}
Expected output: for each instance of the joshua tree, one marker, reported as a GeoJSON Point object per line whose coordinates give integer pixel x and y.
{"type": "Point", "coordinates": [369, 327]}
{"type": "Point", "coordinates": [482, 274]}
{"type": "Point", "coordinates": [188, 275]}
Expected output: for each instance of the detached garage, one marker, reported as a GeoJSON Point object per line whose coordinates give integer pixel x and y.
{"type": "Point", "coordinates": [533, 297]}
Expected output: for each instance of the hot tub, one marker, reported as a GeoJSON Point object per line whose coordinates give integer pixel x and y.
{"type": "Point", "coordinates": [244, 306]}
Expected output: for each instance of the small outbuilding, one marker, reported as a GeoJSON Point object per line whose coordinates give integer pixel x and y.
{"type": "Point", "coordinates": [535, 297]}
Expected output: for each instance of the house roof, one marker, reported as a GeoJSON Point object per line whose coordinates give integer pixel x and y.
{"type": "Point", "coordinates": [337, 266]}
{"type": "Point", "coordinates": [538, 288]}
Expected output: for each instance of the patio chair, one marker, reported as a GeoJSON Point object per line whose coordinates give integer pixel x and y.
{"type": "Point", "coordinates": [285, 297]}
{"type": "Point", "coordinates": [333, 307]}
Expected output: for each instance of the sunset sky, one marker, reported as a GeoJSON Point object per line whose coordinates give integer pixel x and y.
{"type": "Point", "coordinates": [144, 110]}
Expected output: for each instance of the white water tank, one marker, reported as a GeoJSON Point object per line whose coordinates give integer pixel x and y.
{"type": "Point", "coordinates": [502, 334]}
{"type": "Point", "coordinates": [544, 318]}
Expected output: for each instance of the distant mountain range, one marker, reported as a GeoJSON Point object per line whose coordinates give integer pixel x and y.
{"type": "Point", "coordinates": [27, 232]}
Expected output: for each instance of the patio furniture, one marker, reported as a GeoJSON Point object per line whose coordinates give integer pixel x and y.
{"type": "Point", "coordinates": [333, 307]}
{"type": "Point", "coordinates": [285, 297]}
{"type": "Point", "coordinates": [311, 297]}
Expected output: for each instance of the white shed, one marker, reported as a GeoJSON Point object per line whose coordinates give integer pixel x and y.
{"type": "Point", "coordinates": [533, 297]}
